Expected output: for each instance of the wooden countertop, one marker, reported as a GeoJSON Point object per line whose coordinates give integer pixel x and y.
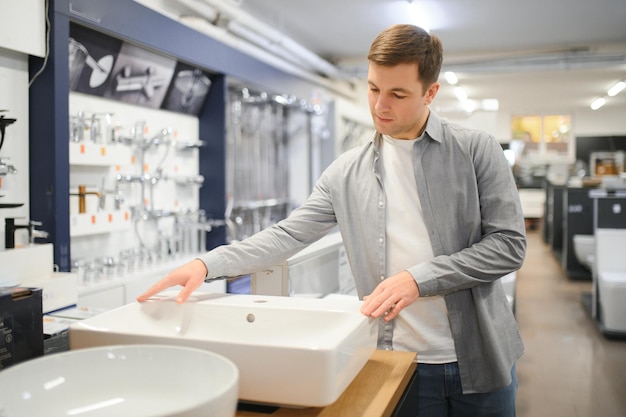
{"type": "Point", "coordinates": [374, 392]}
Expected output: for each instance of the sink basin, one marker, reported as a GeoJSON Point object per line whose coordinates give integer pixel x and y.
{"type": "Point", "coordinates": [138, 381]}
{"type": "Point", "coordinates": [289, 351]}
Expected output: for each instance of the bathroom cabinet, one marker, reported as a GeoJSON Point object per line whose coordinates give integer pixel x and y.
{"type": "Point", "coordinates": [553, 217]}
{"type": "Point", "coordinates": [132, 22]}
{"type": "Point", "coordinates": [609, 272]}
{"type": "Point", "coordinates": [577, 220]}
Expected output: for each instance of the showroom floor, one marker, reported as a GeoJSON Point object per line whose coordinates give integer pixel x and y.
{"type": "Point", "coordinates": [569, 368]}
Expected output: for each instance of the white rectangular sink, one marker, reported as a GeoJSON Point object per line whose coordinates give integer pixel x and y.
{"type": "Point", "coordinates": [289, 351]}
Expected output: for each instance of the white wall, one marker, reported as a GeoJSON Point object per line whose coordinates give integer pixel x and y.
{"type": "Point", "coordinates": [606, 121]}
{"type": "Point", "coordinates": [22, 32]}
{"type": "Point", "coordinates": [22, 26]}
{"type": "Point", "coordinates": [14, 99]}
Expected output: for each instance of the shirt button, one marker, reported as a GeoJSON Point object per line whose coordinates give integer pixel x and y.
{"type": "Point", "coordinates": [382, 277]}
{"type": "Point", "coordinates": [381, 204]}
{"type": "Point", "coordinates": [381, 240]}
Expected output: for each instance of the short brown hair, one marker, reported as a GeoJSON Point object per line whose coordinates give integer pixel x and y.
{"type": "Point", "coordinates": [408, 44]}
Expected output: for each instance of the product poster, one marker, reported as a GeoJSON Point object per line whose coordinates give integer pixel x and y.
{"type": "Point", "coordinates": [140, 77]}
{"type": "Point", "coordinates": [91, 59]}
{"type": "Point", "coordinates": [107, 67]}
{"type": "Point", "coordinates": [188, 90]}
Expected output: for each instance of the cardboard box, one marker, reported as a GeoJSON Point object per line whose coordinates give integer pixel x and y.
{"type": "Point", "coordinates": [21, 325]}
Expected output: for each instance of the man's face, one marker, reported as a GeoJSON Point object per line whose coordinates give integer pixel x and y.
{"type": "Point", "coordinates": [397, 100]}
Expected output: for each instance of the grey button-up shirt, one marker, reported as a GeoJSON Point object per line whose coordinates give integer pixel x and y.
{"type": "Point", "coordinates": [473, 215]}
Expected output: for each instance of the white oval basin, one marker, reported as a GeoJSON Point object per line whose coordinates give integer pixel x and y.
{"type": "Point", "coordinates": [138, 381]}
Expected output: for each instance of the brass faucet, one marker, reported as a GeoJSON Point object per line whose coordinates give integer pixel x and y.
{"type": "Point", "coordinates": [82, 193]}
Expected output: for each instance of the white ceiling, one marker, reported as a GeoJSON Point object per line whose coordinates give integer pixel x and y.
{"type": "Point", "coordinates": [477, 35]}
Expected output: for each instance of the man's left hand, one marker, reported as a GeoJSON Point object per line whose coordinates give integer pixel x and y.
{"type": "Point", "coordinates": [391, 296]}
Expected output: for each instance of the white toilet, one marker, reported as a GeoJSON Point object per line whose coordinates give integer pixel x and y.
{"type": "Point", "coordinates": [585, 249]}
{"type": "Point", "coordinates": [610, 272]}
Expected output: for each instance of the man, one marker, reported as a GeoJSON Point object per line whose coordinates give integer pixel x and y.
{"type": "Point", "coordinates": [430, 219]}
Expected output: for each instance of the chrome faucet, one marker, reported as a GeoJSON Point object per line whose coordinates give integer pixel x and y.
{"type": "Point", "coordinates": [37, 233]}
{"type": "Point", "coordinates": [10, 228]}
{"type": "Point", "coordinates": [77, 127]}
{"type": "Point", "coordinates": [6, 168]}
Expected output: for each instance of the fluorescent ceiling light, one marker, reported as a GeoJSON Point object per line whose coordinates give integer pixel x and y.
{"type": "Point", "coordinates": [451, 77]}
{"type": "Point", "coordinates": [619, 86]}
{"type": "Point", "coordinates": [490, 104]}
{"type": "Point", "coordinates": [597, 103]}
{"type": "Point", "coordinates": [417, 13]}
{"type": "Point", "coordinates": [460, 93]}
{"type": "Point", "coordinates": [469, 106]}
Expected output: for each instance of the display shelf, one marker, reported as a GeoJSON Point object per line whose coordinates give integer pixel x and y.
{"type": "Point", "coordinates": [118, 290]}
{"type": "Point", "coordinates": [95, 154]}
{"type": "Point", "coordinates": [130, 21]}
{"type": "Point", "coordinates": [86, 224]}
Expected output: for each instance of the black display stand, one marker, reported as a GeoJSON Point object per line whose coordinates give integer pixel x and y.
{"type": "Point", "coordinates": [577, 220]}
{"type": "Point", "coordinates": [553, 218]}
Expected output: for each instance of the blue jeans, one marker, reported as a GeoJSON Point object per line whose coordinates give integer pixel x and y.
{"type": "Point", "coordinates": [436, 392]}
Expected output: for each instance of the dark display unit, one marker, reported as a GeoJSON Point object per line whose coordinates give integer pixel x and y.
{"type": "Point", "coordinates": [585, 145]}
{"type": "Point", "coordinates": [577, 220]}
{"type": "Point", "coordinates": [553, 218]}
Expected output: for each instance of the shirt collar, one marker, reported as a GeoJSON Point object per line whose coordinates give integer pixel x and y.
{"type": "Point", "coordinates": [433, 130]}
{"type": "Point", "coordinates": [433, 127]}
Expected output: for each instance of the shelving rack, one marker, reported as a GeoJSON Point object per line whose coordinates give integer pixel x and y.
{"type": "Point", "coordinates": [130, 21]}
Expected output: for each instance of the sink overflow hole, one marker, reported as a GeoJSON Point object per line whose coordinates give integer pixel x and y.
{"type": "Point", "coordinates": [250, 317]}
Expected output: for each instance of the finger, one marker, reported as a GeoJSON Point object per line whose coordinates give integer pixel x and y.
{"type": "Point", "coordinates": [381, 308]}
{"type": "Point", "coordinates": [184, 294]}
{"type": "Point", "coordinates": [370, 304]}
{"type": "Point", "coordinates": [373, 301]}
{"type": "Point", "coordinates": [393, 312]}
{"type": "Point", "coordinates": [374, 306]}
{"type": "Point", "coordinates": [384, 309]}
{"type": "Point", "coordinates": [188, 289]}
{"type": "Point", "coordinates": [155, 289]}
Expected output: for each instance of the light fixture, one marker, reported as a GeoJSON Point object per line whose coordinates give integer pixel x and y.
{"type": "Point", "coordinates": [451, 77]}
{"type": "Point", "coordinates": [469, 106]}
{"type": "Point", "coordinates": [597, 103]}
{"type": "Point", "coordinates": [617, 87]}
{"type": "Point", "coordinates": [460, 93]}
{"type": "Point", "coordinates": [490, 104]}
{"type": "Point", "coordinates": [417, 14]}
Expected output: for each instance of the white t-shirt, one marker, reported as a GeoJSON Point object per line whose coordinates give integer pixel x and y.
{"type": "Point", "coordinates": [422, 326]}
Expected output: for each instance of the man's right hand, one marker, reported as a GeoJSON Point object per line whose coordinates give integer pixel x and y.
{"type": "Point", "coordinates": [190, 276]}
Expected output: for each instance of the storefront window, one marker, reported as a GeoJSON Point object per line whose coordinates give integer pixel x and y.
{"type": "Point", "coordinates": [544, 136]}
